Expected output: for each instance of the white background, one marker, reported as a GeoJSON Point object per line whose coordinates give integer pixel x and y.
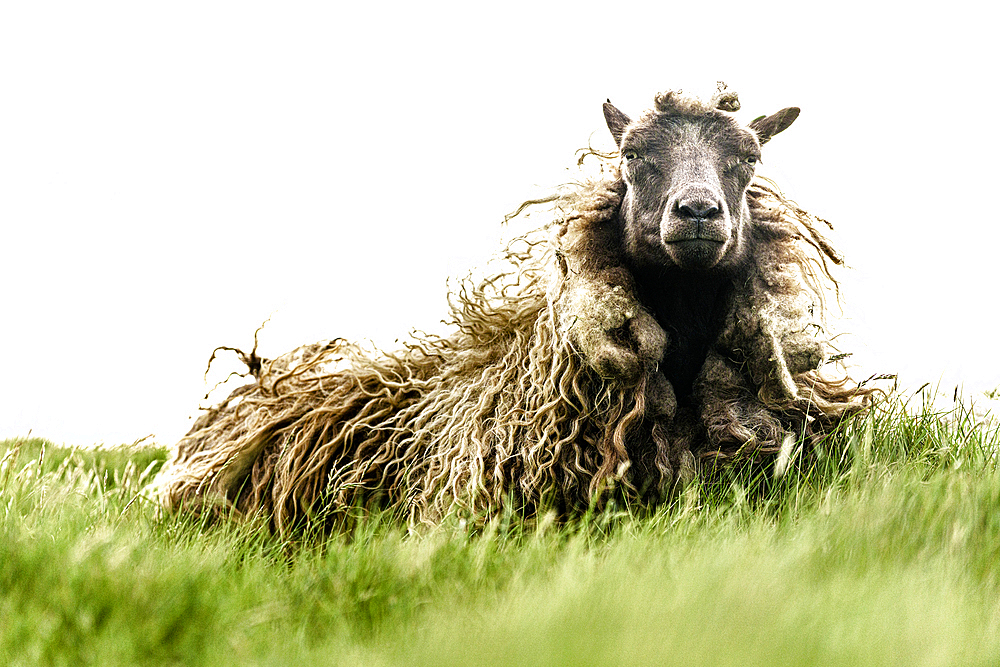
{"type": "Point", "coordinates": [173, 173]}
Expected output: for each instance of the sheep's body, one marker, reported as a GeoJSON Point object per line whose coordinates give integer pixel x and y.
{"type": "Point", "coordinates": [583, 369]}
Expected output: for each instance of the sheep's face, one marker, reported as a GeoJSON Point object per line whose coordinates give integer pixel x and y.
{"type": "Point", "coordinates": [686, 176]}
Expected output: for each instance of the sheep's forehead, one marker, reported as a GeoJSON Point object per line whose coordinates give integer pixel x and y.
{"type": "Point", "coordinates": [660, 131]}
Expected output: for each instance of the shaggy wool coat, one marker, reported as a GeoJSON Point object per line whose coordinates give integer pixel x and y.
{"type": "Point", "coordinates": [548, 395]}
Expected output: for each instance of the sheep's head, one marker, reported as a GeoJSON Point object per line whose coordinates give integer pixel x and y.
{"type": "Point", "coordinates": [687, 165]}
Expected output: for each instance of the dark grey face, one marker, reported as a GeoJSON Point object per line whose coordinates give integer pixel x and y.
{"type": "Point", "coordinates": [686, 176]}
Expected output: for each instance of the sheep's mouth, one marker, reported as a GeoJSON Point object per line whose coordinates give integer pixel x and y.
{"type": "Point", "coordinates": [694, 242]}
{"type": "Point", "coordinates": [695, 233]}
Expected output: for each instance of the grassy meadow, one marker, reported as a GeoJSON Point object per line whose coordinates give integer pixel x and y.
{"type": "Point", "coordinates": [884, 550]}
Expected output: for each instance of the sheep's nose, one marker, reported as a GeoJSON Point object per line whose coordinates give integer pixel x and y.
{"type": "Point", "coordinates": [698, 208]}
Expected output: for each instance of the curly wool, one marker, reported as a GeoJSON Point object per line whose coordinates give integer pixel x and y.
{"type": "Point", "coordinates": [676, 102]}
{"type": "Point", "coordinates": [512, 410]}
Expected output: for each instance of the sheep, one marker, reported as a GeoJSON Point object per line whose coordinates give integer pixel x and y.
{"type": "Point", "coordinates": [670, 318]}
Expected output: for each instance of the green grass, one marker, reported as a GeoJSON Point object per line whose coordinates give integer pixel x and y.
{"type": "Point", "coordinates": [884, 551]}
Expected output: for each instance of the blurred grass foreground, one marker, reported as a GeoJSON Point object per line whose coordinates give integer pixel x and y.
{"type": "Point", "coordinates": [883, 551]}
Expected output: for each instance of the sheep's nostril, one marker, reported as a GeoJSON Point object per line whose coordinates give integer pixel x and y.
{"type": "Point", "coordinates": [697, 209]}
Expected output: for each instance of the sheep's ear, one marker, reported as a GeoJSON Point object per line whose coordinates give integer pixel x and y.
{"type": "Point", "coordinates": [617, 121]}
{"type": "Point", "coordinates": [768, 126]}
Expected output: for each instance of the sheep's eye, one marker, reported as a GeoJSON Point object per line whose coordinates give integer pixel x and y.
{"type": "Point", "coordinates": [751, 160]}
{"type": "Point", "coordinates": [630, 155]}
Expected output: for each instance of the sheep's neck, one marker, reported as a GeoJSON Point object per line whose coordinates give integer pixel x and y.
{"type": "Point", "coordinates": [691, 307]}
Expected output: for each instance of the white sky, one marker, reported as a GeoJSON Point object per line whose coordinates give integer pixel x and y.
{"type": "Point", "coordinates": [173, 173]}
